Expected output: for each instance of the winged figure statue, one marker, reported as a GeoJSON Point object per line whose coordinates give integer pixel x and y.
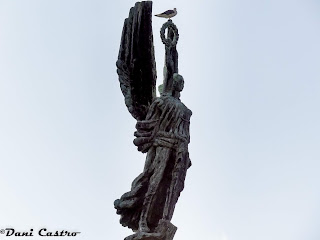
{"type": "Point", "coordinates": [162, 129]}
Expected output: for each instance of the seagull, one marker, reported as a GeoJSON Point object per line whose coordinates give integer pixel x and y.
{"type": "Point", "coordinates": [168, 14]}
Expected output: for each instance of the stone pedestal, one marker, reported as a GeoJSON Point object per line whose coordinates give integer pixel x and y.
{"type": "Point", "coordinates": [164, 231]}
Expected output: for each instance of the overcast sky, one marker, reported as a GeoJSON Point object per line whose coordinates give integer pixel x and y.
{"type": "Point", "coordinates": [252, 80]}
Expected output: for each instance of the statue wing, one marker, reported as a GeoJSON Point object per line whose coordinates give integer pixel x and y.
{"type": "Point", "coordinates": [136, 64]}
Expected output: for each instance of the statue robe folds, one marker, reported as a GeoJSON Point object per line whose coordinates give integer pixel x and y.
{"type": "Point", "coordinates": [164, 135]}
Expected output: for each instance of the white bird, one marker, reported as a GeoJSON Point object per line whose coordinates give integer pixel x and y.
{"type": "Point", "coordinates": [168, 13]}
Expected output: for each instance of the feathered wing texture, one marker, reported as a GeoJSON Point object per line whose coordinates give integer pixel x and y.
{"type": "Point", "coordinates": [136, 64]}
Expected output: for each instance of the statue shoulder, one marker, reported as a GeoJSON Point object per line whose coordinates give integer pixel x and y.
{"type": "Point", "coordinates": [187, 111]}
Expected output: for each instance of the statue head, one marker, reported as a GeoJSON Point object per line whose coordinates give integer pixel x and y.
{"type": "Point", "coordinates": [178, 82]}
{"type": "Point", "coordinates": [160, 89]}
{"type": "Point", "coordinates": [173, 87]}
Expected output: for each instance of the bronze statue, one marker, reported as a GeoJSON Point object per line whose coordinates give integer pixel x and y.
{"type": "Point", "coordinates": [162, 127]}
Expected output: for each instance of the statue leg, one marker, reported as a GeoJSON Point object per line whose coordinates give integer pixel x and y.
{"type": "Point", "coordinates": [176, 186]}
{"type": "Point", "coordinates": [160, 161]}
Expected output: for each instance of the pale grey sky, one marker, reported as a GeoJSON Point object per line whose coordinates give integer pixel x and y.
{"type": "Point", "coordinates": [252, 80]}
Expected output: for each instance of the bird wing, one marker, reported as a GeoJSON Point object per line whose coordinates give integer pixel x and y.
{"type": "Point", "coordinates": [136, 64]}
{"type": "Point", "coordinates": [168, 12]}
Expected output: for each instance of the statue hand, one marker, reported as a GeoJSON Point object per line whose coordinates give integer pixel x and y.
{"type": "Point", "coordinates": [143, 143]}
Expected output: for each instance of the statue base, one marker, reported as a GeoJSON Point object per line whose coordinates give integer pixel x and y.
{"type": "Point", "coordinates": [164, 231]}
